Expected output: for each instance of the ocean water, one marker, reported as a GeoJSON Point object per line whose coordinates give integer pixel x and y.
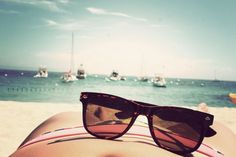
{"type": "Point", "coordinates": [18, 85]}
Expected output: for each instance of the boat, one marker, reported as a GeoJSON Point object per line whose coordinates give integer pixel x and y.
{"type": "Point", "coordinates": [69, 76]}
{"type": "Point", "coordinates": [159, 81]}
{"type": "Point", "coordinates": [123, 78]}
{"type": "Point", "coordinates": [81, 72]}
{"type": "Point", "coordinates": [42, 73]}
{"type": "Point", "coordinates": [115, 76]}
{"type": "Point", "coordinates": [232, 97]}
{"type": "Point", "coordinates": [215, 78]}
{"type": "Point", "coordinates": [143, 78]}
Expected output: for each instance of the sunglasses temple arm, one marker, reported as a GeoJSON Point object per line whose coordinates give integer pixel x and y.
{"type": "Point", "coordinates": [210, 132]}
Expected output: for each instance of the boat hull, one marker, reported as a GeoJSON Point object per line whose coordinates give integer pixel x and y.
{"type": "Point", "coordinates": [68, 78]}
{"type": "Point", "coordinates": [81, 76]}
{"type": "Point", "coordinates": [114, 78]}
{"type": "Point", "coordinates": [159, 85]}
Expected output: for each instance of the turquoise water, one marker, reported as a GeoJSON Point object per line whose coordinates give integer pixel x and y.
{"type": "Point", "coordinates": [18, 85]}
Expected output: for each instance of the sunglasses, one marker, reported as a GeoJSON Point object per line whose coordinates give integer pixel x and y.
{"type": "Point", "coordinates": [176, 129]}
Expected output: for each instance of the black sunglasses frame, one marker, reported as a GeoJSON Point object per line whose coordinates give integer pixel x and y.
{"type": "Point", "coordinates": [146, 109]}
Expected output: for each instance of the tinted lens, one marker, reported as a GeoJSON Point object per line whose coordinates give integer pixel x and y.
{"type": "Point", "coordinates": [108, 117]}
{"type": "Point", "coordinates": [177, 130]}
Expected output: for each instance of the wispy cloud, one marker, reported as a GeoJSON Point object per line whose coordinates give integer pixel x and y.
{"type": "Point", "coordinates": [51, 22]}
{"type": "Point", "coordinates": [70, 25]}
{"type": "Point", "coordinates": [73, 25]}
{"type": "Point", "coordinates": [96, 11]}
{"type": "Point", "coordinates": [9, 11]}
{"type": "Point", "coordinates": [45, 4]}
{"type": "Point", "coordinates": [64, 1]}
{"type": "Point", "coordinates": [99, 11]}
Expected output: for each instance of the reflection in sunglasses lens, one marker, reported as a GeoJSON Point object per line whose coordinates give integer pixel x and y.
{"type": "Point", "coordinates": [108, 120]}
{"type": "Point", "coordinates": [176, 131]}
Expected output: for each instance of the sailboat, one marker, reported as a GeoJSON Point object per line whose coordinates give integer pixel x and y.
{"type": "Point", "coordinates": [142, 77]}
{"type": "Point", "coordinates": [69, 76]}
{"type": "Point", "coordinates": [215, 79]}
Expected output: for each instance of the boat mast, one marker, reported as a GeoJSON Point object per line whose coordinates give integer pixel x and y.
{"type": "Point", "coordinates": [72, 54]}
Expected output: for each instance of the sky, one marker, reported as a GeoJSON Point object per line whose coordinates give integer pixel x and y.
{"type": "Point", "coordinates": [173, 38]}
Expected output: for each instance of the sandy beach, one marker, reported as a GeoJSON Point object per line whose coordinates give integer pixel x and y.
{"type": "Point", "coordinates": [18, 119]}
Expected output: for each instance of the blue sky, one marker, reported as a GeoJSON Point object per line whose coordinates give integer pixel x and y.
{"type": "Point", "coordinates": [175, 38]}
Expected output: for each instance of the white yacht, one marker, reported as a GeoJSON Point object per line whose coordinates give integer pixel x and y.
{"type": "Point", "coordinates": [159, 81]}
{"type": "Point", "coordinates": [114, 76]}
{"type": "Point", "coordinates": [81, 72]}
{"type": "Point", "coordinates": [42, 73]}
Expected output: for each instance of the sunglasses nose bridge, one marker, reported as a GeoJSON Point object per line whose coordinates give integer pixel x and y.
{"type": "Point", "coordinates": [144, 110]}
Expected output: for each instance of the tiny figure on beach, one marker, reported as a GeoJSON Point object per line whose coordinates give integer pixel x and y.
{"type": "Point", "coordinates": [203, 107]}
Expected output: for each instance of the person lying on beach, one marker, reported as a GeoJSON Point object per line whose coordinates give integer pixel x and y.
{"type": "Point", "coordinates": [64, 135]}
{"type": "Point", "coordinates": [223, 141]}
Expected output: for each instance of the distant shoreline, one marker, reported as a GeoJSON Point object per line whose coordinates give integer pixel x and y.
{"type": "Point", "coordinates": [105, 74]}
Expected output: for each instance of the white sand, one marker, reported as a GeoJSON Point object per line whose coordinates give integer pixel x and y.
{"type": "Point", "coordinates": [18, 119]}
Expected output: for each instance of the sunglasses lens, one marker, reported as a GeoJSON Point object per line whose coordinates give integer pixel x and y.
{"type": "Point", "coordinates": [108, 117]}
{"type": "Point", "coordinates": [177, 129]}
